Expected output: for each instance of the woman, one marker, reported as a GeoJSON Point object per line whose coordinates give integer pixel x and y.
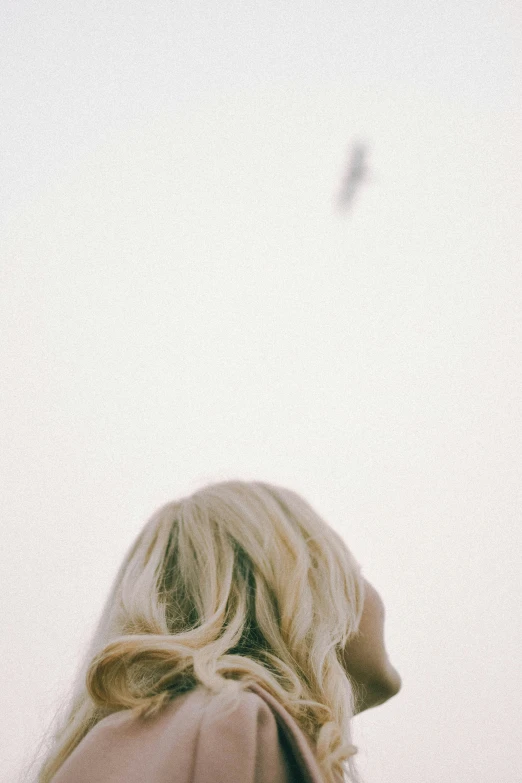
{"type": "Point", "coordinates": [238, 641]}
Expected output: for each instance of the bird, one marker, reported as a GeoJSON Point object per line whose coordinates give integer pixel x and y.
{"type": "Point", "coordinates": [356, 173]}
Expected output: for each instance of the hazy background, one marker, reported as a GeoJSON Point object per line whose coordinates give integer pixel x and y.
{"type": "Point", "coordinates": [181, 302]}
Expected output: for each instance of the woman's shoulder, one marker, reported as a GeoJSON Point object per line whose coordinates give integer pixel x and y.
{"type": "Point", "coordinates": [197, 738]}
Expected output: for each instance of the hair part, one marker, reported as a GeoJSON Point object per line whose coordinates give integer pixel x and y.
{"type": "Point", "coordinates": [238, 583]}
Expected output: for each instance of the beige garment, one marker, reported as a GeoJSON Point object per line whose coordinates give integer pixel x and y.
{"type": "Point", "coordinates": [188, 742]}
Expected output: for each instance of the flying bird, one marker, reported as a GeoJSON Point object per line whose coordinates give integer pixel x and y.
{"type": "Point", "coordinates": [356, 173]}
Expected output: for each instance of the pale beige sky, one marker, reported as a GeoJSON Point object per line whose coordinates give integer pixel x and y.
{"type": "Point", "coordinates": [180, 302]}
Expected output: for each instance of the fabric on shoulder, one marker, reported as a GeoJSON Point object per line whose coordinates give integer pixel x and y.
{"type": "Point", "coordinates": [191, 742]}
{"type": "Point", "coordinates": [302, 756]}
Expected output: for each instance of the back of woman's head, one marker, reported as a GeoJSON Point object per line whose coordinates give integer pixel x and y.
{"type": "Point", "coordinates": [240, 582]}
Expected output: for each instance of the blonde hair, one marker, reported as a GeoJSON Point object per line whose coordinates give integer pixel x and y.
{"type": "Point", "coordinates": [241, 582]}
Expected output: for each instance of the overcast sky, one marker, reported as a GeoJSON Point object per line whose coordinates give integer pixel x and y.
{"type": "Point", "coordinates": [181, 302]}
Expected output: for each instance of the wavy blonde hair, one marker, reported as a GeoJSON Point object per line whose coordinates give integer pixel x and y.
{"type": "Point", "coordinates": [240, 582]}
